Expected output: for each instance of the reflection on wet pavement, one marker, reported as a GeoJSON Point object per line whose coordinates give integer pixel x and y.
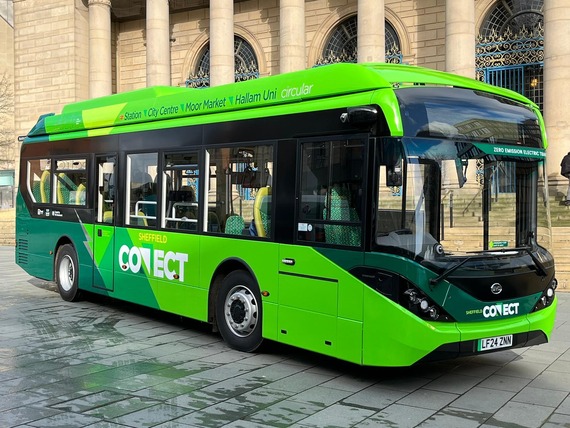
{"type": "Point", "coordinates": [104, 363]}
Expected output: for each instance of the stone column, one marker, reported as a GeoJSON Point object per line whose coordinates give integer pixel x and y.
{"type": "Point", "coordinates": [100, 75]}
{"type": "Point", "coordinates": [292, 35]}
{"type": "Point", "coordinates": [371, 31]}
{"type": "Point", "coordinates": [221, 42]}
{"type": "Point", "coordinates": [460, 37]}
{"type": "Point", "coordinates": [556, 84]}
{"type": "Point", "coordinates": [157, 43]}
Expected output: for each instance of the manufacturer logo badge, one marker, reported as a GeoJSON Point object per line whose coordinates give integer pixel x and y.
{"type": "Point", "coordinates": [496, 288]}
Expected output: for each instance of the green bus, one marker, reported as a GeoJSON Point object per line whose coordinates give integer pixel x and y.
{"type": "Point", "coordinates": [380, 214]}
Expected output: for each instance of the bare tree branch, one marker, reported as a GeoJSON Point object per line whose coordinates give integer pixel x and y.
{"type": "Point", "coordinates": [6, 95]}
{"type": "Point", "coordinates": [7, 139]}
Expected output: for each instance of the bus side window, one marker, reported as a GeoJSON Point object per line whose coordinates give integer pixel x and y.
{"type": "Point", "coordinates": [142, 189]}
{"type": "Point", "coordinates": [70, 177]}
{"type": "Point", "coordinates": [239, 195]}
{"type": "Point", "coordinates": [39, 183]}
{"type": "Point", "coordinates": [180, 200]}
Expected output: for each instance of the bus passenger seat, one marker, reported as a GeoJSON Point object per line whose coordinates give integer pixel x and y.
{"type": "Point", "coordinates": [141, 218]}
{"type": "Point", "coordinates": [64, 188]}
{"type": "Point", "coordinates": [108, 217]}
{"type": "Point", "coordinates": [80, 195]}
{"type": "Point", "coordinates": [234, 225]}
{"type": "Point", "coordinates": [262, 211]}
{"type": "Point", "coordinates": [62, 191]}
{"type": "Point", "coordinates": [45, 187]}
{"type": "Point", "coordinates": [187, 194]}
{"type": "Point", "coordinates": [340, 210]}
{"type": "Point", "coordinates": [36, 191]}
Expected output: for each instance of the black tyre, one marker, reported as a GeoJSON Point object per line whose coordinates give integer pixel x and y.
{"type": "Point", "coordinates": [238, 312]}
{"type": "Point", "coordinates": [66, 273]}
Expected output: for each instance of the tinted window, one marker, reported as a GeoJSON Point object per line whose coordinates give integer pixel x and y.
{"type": "Point", "coordinates": [463, 113]}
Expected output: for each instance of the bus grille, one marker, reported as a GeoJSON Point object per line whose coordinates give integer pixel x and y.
{"type": "Point", "coordinates": [22, 252]}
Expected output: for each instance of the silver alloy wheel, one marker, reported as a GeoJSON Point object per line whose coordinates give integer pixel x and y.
{"type": "Point", "coordinates": [240, 311]}
{"type": "Point", "coordinates": [66, 273]}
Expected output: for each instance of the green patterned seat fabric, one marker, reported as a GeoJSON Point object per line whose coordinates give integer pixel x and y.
{"type": "Point", "coordinates": [36, 191]}
{"type": "Point", "coordinates": [64, 188]}
{"type": "Point", "coordinates": [340, 210]}
{"type": "Point", "coordinates": [234, 225]}
{"type": "Point", "coordinates": [266, 221]}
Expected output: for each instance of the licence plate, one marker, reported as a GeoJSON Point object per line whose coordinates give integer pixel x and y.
{"type": "Point", "coordinates": [495, 342]}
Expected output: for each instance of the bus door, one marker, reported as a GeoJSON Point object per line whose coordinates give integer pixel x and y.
{"type": "Point", "coordinates": [104, 240]}
{"type": "Point", "coordinates": [317, 307]}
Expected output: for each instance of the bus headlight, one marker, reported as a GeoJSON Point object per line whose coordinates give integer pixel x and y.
{"type": "Point", "coordinates": [433, 313]}
{"type": "Point", "coordinates": [547, 296]}
{"type": "Point", "coordinates": [422, 306]}
{"type": "Point", "coordinates": [413, 296]}
{"type": "Point", "coordinates": [402, 292]}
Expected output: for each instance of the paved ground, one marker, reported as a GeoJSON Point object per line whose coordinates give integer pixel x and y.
{"type": "Point", "coordinates": [100, 363]}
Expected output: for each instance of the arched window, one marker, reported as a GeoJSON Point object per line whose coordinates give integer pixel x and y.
{"type": "Point", "coordinates": [342, 43]}
{"type": "Point", "coordinates": [512, 16]}
{"type": "Point", "coordinates": [246, 66]}
{"type": "Point", "coordinates": [391, 38]}
{"type": "Point", "coordinates": [510, 47]}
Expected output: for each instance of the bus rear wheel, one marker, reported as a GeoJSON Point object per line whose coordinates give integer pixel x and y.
{"type": "Point", "coordinates": [238, 312]}
{"type": "Point", "coordinates": [66, 273]}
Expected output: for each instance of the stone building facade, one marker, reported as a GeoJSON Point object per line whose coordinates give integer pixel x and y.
{"type": "Point", "coordinates": [7, 154]}
{"type": "Point", "coordinates": [71, 50]}
{"type": "Point", "coordinates": [8, 149]}
{"type": "Point", "coordinates": [62, 51]}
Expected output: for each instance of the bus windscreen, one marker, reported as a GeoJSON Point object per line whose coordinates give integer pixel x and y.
{"type": "Point", "coordinates": [465, 114]}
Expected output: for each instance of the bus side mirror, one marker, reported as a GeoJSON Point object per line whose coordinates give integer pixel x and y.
{"type": "Point", "coordinates": [360, 116]}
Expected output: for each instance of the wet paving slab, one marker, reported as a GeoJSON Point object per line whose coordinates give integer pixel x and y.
{"type": "Point", "coordinates": [104, 363]}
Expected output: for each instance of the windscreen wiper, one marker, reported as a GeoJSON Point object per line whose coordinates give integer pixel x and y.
{"type": "Point", "coordinates": [541, 270]}
{"type": "Point", "coordinates": [450, 270]}
{"type": "Point", "coordinates": [539, 266]}
{"type": "Point", "coordinates": [537, 263]}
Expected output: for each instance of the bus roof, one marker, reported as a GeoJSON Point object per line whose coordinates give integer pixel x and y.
{"type": "Point", "coordinates": [166, 102]}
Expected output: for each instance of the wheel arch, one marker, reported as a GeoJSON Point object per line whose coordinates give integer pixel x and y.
{"type": "Point", "coordinates": [63, 240]}
{"type": "Point", "coordinates": [224, 269]}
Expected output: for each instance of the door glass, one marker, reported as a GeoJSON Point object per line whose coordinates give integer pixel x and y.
{"type": "Point", "coordinates": [106, 193]}
{"type": "Point", "coordinates": [331, 192]}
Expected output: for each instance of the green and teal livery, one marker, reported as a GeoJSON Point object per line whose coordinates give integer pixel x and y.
{"type": "Point", "coordinates": [380, 214]}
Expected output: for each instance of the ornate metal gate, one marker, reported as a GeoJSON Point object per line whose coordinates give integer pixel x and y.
{"type": "Point", "coordinates": [513, 61]}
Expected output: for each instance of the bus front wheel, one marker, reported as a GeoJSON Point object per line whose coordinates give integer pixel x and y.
{"type": "Point", "coordinates": [66, 272]}
{"type": "Point", "coordinates": [238, 312]}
